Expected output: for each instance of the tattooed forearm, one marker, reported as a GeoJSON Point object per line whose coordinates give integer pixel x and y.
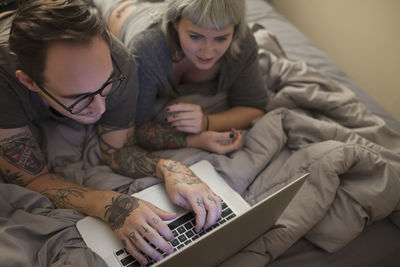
{"type": "Point", "coordinates": [106, 147]}
{"type": "Point", "coordinates": [63, 197]}
{"type": "Point", "coordinates": [119, 209]}
{"type": "Point", "coordinates": [130, 160]}
{"type": "Point", "coordinates": [185, 175]}
{"type": "Point", "coordinates": [134, 162]}
{"type": "Point", "coordinates": [13, 178]}
{"type": "Point", "coordinates": [23, 152]}
{"type": "Point", "coordinates": [154, 136]}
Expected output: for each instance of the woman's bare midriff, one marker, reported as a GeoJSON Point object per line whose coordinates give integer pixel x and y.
{"type": "Point", "coordinates": [119, 15]}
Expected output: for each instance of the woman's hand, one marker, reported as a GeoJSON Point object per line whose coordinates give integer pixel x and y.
{"type": "Point", "coordinates": [216, 142]}
{"type": "Point", "coordinates": [188, 118]}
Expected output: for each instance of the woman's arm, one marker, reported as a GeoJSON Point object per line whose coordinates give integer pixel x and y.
{"type": "Point", "coordinates": [155, 136]}
{"type": "Point", "coordinates": [190, 118]}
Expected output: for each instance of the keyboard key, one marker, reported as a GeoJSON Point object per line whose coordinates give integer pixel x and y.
{"type": "Point", "coordinates": [127, 260]}
{"type": "Point", "coordinates": [119, 252]}
{"type": "Point", "coordinates": [190, 233]}
{"type": "Point", "coordinates": [226, 213]}
{"type": "Point", "coordinates": [188, 226]}
{"type": "Point", "coordinates": [134, 264]}
{"type": "Point", "coordinates": [182, 238]}
{"type": "Point", "coordinates": [181, 229]}
{"type": "Point", "coordinates": [181, 220]}
{"type": "Point", "coordinates": [175, 242]}
{"type": "Point", "coordinates": [231, 216]}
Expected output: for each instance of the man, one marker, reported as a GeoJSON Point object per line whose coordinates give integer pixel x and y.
{"type": "Point", "coordinates": [64, 64]}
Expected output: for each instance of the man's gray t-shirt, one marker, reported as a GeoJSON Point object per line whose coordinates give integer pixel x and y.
{"type": "Point", "coordinates": [21, 107]}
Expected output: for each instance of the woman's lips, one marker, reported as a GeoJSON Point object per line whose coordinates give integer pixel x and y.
{"type": "Point", "coordinates": [204, 60]}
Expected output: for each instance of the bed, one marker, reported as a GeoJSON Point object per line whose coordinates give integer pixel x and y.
{"type": "Point", "coordinates": [318, 121]}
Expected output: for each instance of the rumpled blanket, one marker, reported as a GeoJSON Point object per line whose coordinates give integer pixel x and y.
{"type": "Point", "coordinates": [313, 125]}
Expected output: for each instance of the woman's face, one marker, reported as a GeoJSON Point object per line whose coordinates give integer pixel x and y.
{"type": "Point", "coordinates": [203, 46]}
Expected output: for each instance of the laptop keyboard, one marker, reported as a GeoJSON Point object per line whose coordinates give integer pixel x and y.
{"type": "Point", "coordinates": [184, 233]}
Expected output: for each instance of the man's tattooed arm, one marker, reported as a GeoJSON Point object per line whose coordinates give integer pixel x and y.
{"type": "Point", "coordinates": [182, 174]}
{"type": "Point", "coordinates": [129, 160]}
{"type": "Point", "coordinates": [63, 197]}
{"type": "Point", "coordinates": [22, 163]}
{"type": "Point", "coordinates": [20, 156]}
{"type": "Point", "coordinates": [154, 136]}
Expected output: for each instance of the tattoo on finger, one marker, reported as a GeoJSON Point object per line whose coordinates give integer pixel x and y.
{"type": "Point", "coordinates": [155, 221]}
{"type": "Point", "coordinates": [123, 243]}
{"type": "Point", "coordinates": [133, 237]}
{"type": "Point", "coordinates": [146, 230]}
{"type": "Point", "coordinates": [200, 203]}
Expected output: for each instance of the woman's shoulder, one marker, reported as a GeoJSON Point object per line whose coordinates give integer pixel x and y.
{"type": "Point", "coordinates": [248, 45]}
{"type": "Point", "coordinates": [248, 53]}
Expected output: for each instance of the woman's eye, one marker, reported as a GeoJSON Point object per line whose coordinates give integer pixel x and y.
{"type": "Point", "coordinates": [220, 39]}
{"type": "Point", "coordinates": [195, 37]}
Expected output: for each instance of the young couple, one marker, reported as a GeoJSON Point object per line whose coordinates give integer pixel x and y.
{"type": "Point", "coordinates": [58, 60]}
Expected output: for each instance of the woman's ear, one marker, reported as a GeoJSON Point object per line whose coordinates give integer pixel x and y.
{"type": "Point", "coordinates": [26, 80]}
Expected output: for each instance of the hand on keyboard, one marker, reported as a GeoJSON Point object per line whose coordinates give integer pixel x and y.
{"type": "Point", "coordinates": [188, 191]}
{"type": "Point", "coordinates": [140, 226]}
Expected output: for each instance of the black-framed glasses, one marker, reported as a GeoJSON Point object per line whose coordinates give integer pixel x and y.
{"type": "Point", "coordinates": [84, 101]}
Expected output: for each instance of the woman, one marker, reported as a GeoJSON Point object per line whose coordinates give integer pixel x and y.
{"type": "Point", "coordinates": [198, 70]}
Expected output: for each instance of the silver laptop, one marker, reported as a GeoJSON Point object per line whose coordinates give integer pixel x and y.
{"type": "Point", "coordinates": [238, 226]}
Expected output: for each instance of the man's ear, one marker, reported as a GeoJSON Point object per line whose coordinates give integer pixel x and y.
{"type": "Point", "coordinates": [26, 80]}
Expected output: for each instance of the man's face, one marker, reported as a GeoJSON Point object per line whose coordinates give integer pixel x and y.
{"type": "Point", "coordinates": [74, 70]}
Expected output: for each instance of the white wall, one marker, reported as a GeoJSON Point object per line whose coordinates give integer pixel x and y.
{"type": "Point", "coordinates": [361, 36]}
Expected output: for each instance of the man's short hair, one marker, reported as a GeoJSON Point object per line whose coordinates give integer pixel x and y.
{"type": "Point", "coordinates": [38, 23]}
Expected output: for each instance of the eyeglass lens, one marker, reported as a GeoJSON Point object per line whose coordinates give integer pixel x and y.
{"type": "Point", "coordinates": [87, 100]}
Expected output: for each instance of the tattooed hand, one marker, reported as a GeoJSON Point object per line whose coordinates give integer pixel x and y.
{"type": "Point", "coordinates": [217, 142]}
{"type": "Point", "coordinates": [136, 223]}
{"type": "Point", "coordinates": [188, 191]}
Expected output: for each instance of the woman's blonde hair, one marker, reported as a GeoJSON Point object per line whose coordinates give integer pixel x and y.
{"type": "Point", "coordinates": [217, 14]}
